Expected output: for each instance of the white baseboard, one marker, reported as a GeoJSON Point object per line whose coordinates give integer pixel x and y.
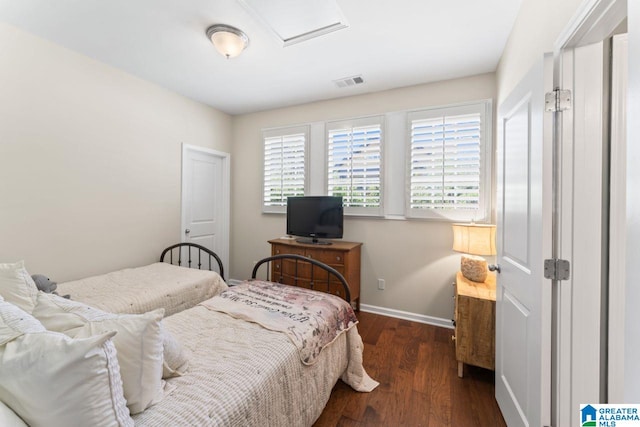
{"type": "Point", "coordinates": [399, 314]}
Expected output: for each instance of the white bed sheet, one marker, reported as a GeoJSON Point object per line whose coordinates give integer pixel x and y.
{"type": "Point", "coordinates": [142, 289]}
{"type": "Point", "coordinates": [241, 374]}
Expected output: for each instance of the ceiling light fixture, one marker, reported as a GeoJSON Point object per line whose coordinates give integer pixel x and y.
{"type": "Point", "coordinates": [228, 40]}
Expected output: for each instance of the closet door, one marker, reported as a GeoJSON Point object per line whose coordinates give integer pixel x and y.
{"type": "Point", "coordinates": [205, 200]}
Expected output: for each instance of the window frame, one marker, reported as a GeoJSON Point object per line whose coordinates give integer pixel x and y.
{"type": "Point", "coordinates": [483, 212]}
{"type": "Point", "coordinates": [379, 120]}
{"type": "Point", "coordinates": [283, 132]}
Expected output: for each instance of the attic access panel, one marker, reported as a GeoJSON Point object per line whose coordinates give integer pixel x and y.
{"type": "Point", "coordinates": [294, 21]}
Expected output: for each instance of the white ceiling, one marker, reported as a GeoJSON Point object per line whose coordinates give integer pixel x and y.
{"type": "Point", "coordinates": [390, 43]}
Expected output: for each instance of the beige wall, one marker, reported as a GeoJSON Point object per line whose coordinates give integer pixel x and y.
{"type": "Point", "coordinates": [414, 257]}
{"type": "Point", "coordinates": [89, 160]}
{"type": "Point", "coordinates": [534, 33]}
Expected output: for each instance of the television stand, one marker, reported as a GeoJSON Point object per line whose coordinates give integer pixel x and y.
{"type": "Point", "coordinates": [341, 255]}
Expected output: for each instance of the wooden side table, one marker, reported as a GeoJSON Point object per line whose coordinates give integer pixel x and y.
{"type": "Point", "coordinates": [475, 322]}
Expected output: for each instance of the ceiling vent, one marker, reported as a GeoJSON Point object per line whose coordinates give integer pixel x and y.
{"type": "Point", "coordinates": [349, 81]}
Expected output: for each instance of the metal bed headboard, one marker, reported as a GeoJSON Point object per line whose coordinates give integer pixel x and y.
{"type": "Point", "coordinates": [185, 252]}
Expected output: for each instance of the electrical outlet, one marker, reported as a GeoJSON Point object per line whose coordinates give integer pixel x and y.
{"type": "Point", "coordinates": [381, 284]}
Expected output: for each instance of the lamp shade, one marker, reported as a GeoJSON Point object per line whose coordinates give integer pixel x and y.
{"type": "Point", "coordinates": [228, 40]}
{"type": "Point", "coordinates": [474, 239]}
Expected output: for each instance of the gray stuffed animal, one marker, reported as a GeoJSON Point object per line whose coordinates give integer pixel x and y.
{"type": "Point", "coordinates": [45, 284]}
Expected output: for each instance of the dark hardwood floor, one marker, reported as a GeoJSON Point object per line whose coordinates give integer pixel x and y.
{"type": "Point", "coordinates": [419, 385]}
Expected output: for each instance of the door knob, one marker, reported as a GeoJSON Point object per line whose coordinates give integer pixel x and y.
{"type": "Point", "coordinates": [187, 231]}
{"type": "Point", "coordinates": [495, 267]}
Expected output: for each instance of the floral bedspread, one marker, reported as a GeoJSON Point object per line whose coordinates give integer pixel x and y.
{"type": "Point", "coordinates": [312, 320]}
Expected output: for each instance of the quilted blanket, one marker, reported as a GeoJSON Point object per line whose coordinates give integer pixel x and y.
{"type": "Point", "coordinates": [241, 374]}
{"type": "Point", "coordinates": [312, 320]}
{"type": "Point", "coordinates": [142, 289]}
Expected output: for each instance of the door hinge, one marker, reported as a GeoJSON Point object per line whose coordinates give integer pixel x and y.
{"type": "Point", "coordinates": [557, 269]}
{"type": "Point", "coordinates": [558, 100]}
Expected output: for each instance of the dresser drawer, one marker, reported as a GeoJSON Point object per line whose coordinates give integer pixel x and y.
{"type": "Point", "coordinates": [304, 270]}
{"type": "Point", "coordinates": [333, 287]}
{"type": "Point", "coordinates": [329, 257]}
{"type": "Point", "coordinates": [282, 249]}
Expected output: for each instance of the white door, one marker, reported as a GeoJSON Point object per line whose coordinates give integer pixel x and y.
{"type": "Point", "coordinates": [618, 217]}
{"type": "Point", "coordinates": [523, 298]}
{"type": "Point", "coordinates": [581, 344]}
{"type": "Point", "coordinates": [205, 200]}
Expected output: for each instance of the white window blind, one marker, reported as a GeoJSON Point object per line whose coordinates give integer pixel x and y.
{"type": "Point", "coordinates": [284, 166]}
{"type": "Point", "coordinates": [354, 164]}
{"type": "Point", "coordinates": [448, 176]}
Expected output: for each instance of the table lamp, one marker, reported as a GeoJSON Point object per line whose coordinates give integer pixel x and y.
{"type": "Point", "coordinates": [472, 240]}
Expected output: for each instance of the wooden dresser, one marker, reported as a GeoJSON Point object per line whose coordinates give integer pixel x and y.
{"type": "Point", "coordinates": [341, 255]}
{"type": "Point", "coordinates": [475, 322]}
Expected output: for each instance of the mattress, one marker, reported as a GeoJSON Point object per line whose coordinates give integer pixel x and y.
{"type": "Point", "coordinates": [142, 289]}
{"type": "Point", "coordinates": [241, 374]}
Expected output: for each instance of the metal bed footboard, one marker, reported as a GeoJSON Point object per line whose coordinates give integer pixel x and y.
{"type": "Point", "coordinates": [314, 282]}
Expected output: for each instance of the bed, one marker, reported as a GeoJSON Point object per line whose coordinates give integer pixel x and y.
{"type": "Point", "coordinates": [186, 274]}
{"type": "Point", "coordinates": [244, 368]}
{"type": "Point", "coordinates": [242, 374]}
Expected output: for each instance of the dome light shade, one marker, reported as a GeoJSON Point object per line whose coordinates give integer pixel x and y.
{"type": "Point", "coordinates": [228, 40]}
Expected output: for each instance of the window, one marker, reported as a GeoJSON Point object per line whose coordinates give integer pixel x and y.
{"type": "Point", "coordinates": [284, 166]}
{"type": "Point", "coordinates": [449, 162]}
{"type": "Point", "coordinates": [354, 149]}
{"type": "Point", "coordinates": [433, 163]}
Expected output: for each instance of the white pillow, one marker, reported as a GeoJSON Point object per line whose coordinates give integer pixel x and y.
{"type": "Point", "coordinates": [50, 379]}
{"type": "Point", "coordinates": [139, 342]}
{"type": "Point", "coordinates": [8, 418]}
{"type": "Point", "coordinates": [176, 361]}
{"type": "Point", "coordinates": [17, 286]}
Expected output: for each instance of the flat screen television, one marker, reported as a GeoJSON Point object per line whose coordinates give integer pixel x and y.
{"type": "Point", "coordinates": [314, 218]}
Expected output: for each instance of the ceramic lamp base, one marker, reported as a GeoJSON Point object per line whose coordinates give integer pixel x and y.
{"type": "Point", "coordinates": [474, 268]}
